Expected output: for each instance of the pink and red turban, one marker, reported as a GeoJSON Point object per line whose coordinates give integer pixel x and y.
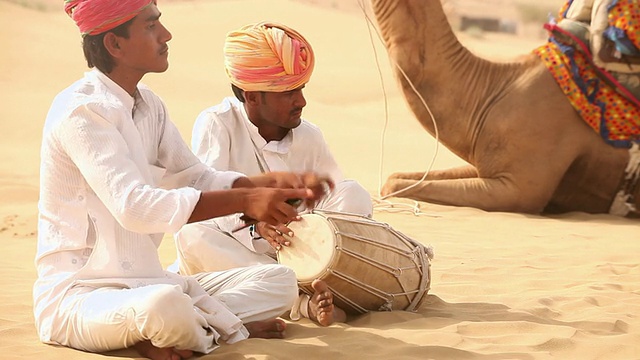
{"type": "Point", "coordinates": [97, 16]}
{"type": "Point", "coordinates": [268, 57]}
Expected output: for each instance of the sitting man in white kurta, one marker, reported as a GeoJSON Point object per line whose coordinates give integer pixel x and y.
{"type": "Point", "coordinates": [115, 176]}
{"type": "Point", "coordinates": [260, 130]}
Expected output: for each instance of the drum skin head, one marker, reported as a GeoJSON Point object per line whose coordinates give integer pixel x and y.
{"type": "Point", "coordinates": [312, 247]}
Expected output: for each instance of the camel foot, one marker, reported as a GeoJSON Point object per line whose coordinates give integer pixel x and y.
{"type": "Point", "coordinates": [147, 350]}
{"type": "Point", "coordinates": [267, 329]}
{"type": "Point", "coordinates": [321, 308]}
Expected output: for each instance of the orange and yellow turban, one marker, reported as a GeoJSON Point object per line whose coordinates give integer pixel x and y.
{"type": "Point", "coordinates": [94, 17]}
{"type": "Point", "coordinates": [268, 57]}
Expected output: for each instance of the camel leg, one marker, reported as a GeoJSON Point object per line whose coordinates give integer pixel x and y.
{"type": "Point", "coordinates": [466, 171]}
{"type": "Point", "coordinates": [491, 194]}
{"type": "Point", "coordinates": [462, 172]}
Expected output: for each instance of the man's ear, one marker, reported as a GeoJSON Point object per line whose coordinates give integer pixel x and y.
{"type": "Point", "coordinates": [111, 42]}
{"type": "Point", "coordinates": [252, 97]}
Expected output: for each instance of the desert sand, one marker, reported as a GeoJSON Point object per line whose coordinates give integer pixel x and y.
{"type": "Point", "coordinates": [504, 286]}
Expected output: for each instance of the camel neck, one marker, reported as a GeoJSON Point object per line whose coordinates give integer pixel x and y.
{"type": "Point", "coordinates": [435, 69]}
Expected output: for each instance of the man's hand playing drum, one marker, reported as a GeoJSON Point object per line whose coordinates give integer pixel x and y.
{"type": "Point", "coordinates": [274, 234]}
{"type": "Point", "coordinates": [319, 185]}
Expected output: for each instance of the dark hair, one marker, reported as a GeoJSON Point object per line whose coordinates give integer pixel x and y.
{"type": "Point", "coordinates": [95, 52]}
{"type": "Point", "coordinates": [239, 93]}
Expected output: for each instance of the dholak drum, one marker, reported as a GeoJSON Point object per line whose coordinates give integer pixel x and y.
{"type": "Point", "coordinates": [367, 265]}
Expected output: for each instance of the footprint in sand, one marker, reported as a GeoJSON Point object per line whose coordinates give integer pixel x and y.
{"type": "Point", "coordinates": [21, 227]}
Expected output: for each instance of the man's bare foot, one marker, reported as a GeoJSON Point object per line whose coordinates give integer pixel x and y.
{"type": "Point", "coordinates": [267, 329]}
{"type": "Point", "coordinates": [321, 308]}
{"type": "Point", "coordinates": [146, 349]}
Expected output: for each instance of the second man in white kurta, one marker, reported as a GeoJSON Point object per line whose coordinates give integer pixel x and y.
{"type": "Point", "coordinates": [261, 130]}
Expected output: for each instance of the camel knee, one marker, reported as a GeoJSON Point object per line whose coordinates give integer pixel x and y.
{"type": "Point", "coordinates": [404, 188]}
{"type": "Point", "coordinates": [390, 186]}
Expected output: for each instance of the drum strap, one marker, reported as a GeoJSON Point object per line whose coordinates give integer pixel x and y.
{"type": "Point", "coordinates": [277, 163]}
{"type": "Point", "coordinates": [259, 160]}
{"type": "Point", "coordinates": [262, 164]}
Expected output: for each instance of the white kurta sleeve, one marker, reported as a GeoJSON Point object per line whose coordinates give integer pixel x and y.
{"type": "Point", "coordinates": [111, 167]}
{"type": "Point", "coordinates": [211, 141]}
{"type": "Point", "coordinates": [185, 169]}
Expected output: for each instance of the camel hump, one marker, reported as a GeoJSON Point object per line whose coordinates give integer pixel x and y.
{"type": "Point", "coordinates": [608, 34]}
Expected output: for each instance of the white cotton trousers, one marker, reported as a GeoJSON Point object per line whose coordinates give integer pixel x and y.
{"type": "Point", "coordinates": [205, 247]}
{"type": "Point", "coordinates": [104, 319]}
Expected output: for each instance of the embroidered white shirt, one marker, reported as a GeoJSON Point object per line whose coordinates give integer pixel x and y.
{"type": "Point", "coordinates": [115, 176]}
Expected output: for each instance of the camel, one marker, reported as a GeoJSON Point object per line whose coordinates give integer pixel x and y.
{"type": "Point", "coordinates": [528, 150]}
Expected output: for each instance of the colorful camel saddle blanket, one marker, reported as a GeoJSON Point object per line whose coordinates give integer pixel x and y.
{"type": "Point", "coordinates": [606, 105]}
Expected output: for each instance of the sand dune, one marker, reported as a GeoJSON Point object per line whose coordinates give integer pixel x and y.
{"type": "Point", "coordinates": [505, 286]}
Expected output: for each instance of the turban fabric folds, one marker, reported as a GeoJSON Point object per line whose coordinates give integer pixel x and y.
{"type": "Point", "coordinates": [268, 57]}
{"type": "Point", "coordinates": [94, 17]}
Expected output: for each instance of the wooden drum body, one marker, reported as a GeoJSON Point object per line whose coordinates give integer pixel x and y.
{"type": "Point", "coordinates": [367, 265]}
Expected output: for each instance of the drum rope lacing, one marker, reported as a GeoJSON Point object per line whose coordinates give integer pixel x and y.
{"type": "Point", "coordinates": [417, 254]}
{"type": "Point", "coordinates": [389, 298]}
